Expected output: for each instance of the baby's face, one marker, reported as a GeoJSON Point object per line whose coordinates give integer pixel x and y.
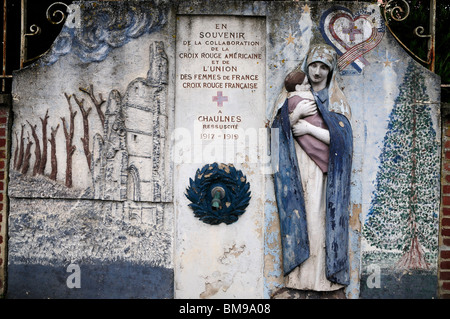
{"type": "Point", "coordinates": [303, 86]}
{"type": "Point", "coordinates": [305, 81]}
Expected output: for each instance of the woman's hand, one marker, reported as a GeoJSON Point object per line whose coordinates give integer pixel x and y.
{"type": "Point", "coordinates": [302, 127]}
{"type": "Point", "coordinates": [307, 108]}
{"type": "Point", "coordinates": [303, 109]}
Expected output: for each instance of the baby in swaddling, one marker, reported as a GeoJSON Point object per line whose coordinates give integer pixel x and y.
{"type": "Point", "coordinates": [299, 89]}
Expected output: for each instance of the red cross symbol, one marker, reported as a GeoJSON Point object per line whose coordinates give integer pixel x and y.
{"type": "Point", "coordinates": [351, 30]}
{"type": "Point", "coordinates": [220, 98]}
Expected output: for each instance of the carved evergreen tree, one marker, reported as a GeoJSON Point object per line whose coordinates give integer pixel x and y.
{"type": "Point", "coordinates": [404, 209]}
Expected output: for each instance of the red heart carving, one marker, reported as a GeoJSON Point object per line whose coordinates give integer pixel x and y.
{"type": "Point", "coordinates": [353, 49]}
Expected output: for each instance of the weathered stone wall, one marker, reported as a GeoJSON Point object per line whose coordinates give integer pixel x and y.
{"type": "Point", "coordinates": [98, 181]}
{"type": "Point", "coordinates": [444, 235]}
{"type": "Point", "coordinates": [5, 120]}
{"type": "Point", "coordinates": [91, 176]}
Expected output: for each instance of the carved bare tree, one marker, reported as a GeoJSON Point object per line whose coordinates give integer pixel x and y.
{"type": "Point", "coordinates": [27, 156]}
{"type": "Point", "coordinates": [53, 160]}
{"type": "Point", "coordinates": [85, 139]}
{"type": "Point", "coordinates": [21, 150]}
{"type": "Point", "coordinates": [37, 149]}
{"type": "Point", "coordinates": [70, 148]}
{"type": "Point", "coordinates": [16, 151]}
{"type": "Point", "coordinates": [97, 102]}
{"type": "Point", "coordinates": [44, 144]}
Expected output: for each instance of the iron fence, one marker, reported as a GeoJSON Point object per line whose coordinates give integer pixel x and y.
{"type": "Point", "coordinates": [30, 26]}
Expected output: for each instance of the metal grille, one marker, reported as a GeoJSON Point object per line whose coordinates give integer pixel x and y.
{"type": "Point", "coordinates": [30, 26]}
{"type": "Point", "coordinates": [28, 29]}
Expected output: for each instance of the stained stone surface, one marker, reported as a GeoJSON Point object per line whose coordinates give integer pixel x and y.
{"type": "Point", "coordinates": [134, 97]}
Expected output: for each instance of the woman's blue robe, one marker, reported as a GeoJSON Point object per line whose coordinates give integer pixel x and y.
{"type": "Point", "coordinates": [289, 194]}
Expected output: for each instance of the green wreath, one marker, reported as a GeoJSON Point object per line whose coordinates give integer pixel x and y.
{"type": "Point", "coordinates": [218, 194]}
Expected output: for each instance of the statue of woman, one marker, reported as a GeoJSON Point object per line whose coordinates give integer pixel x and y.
{"type": "Point", "coordinates": [313, 205]}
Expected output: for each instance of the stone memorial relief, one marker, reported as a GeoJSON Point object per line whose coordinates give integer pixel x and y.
{"type": "Point", "coordinates": [125, 156]}
{"type": "Point", "coordinates": [140, 153]}
{"type": "Point", "coordinates": [219, 127]}
{"type": "Point", "coordinates": [90, 166]}
{"type": "Point", "coordinates": [220, 85]}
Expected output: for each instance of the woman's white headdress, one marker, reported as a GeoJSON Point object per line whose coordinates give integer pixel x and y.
{"type": "Point", "coordinates": [327, 55]}
{"type": "Point", "coordinates": [337, 101]}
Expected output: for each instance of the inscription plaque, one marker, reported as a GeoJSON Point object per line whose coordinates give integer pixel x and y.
{"type": "Point", "coordinates": [219, 118]}
{"type": "Point", "coordinates": [220, 77]}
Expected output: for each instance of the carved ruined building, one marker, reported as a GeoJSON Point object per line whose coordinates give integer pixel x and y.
{"type": "Point", "coordinates": [129, 159]}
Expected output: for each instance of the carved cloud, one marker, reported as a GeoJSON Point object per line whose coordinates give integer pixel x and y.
{"type": "Point", "coordinates": [105, 26]}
